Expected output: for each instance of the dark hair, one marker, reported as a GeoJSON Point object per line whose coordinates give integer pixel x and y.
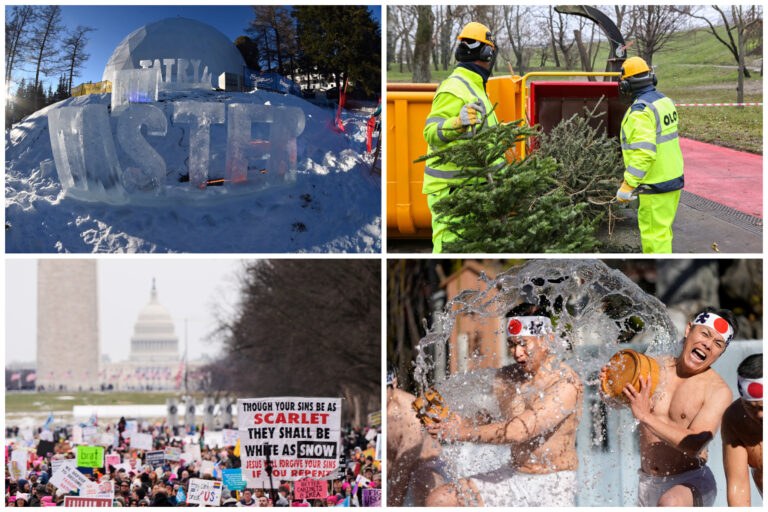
{"type": "Point", "coordinates": [527, 309]}
{"type": "Point", "coordinates": [727, 314]}
{"type": "Point", "coordinates": [751, 367]}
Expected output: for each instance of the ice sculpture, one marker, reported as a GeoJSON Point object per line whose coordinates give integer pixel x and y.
{"type": "Point", "coordinates": [150, 173]}
{"type": "Point", "coordinates": [286, 123]}
{"type": "Point", "coordinates": [200, 116]}
{"type": "Point", "coordinates": [84, 152]}
{"type": "Point", "coordinates": [135, 86]}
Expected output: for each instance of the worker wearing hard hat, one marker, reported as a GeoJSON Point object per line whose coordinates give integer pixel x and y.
{"type": "Point", "coordinates": [459, 108]}
{"type": "Point", "coordinates": [652, 156]}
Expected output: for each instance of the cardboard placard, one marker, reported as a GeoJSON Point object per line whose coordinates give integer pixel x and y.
{"type": "Point", "coordinates": [371, 497]}
{"type": "Point", "coordinates": [68, 478]}
{"type": "Point", "coordinates": [301, 436]}
{"type": "Point", "coordinates": [57, 463]}
{"type": "Point", "coordinates": [45, 447]}
{"type": "Point", "coordinates": [79, 501]}
{"type": "Point", "coordinates": [233, 479]}
{"type": "Point", "coordinates": [206, 467]}
{"type": "Point", "coordinates": [229, 437]}
{"type": "Point", "coordinates": [113, 459]}
{"type": "Point", "coordinates": [155, 458]}
{"type": "Point", "coordinates": [141, 441]}
{"type": "Point", "coordinates": [90, 456]}
{"type": "Point", "coordinates": [378, 448]}
{"type": "Point", "coordinates": [308, 489]}
{"type": "Point", "coordinates": [46, 435]}
{"type": "Point", "coordinates": [204, 492]}
{"type": "Point", "coordinates": [172, 453]}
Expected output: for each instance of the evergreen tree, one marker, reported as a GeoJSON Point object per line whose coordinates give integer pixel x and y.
{"type": "Point", "coordinates": [250, 52]}
{"type": "Point", "coordinates": [341, 41]}
{"type": "Point", "coordinates": [520, 207]}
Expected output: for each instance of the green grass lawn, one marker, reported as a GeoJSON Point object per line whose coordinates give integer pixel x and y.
{"type": "Point", "coordinates": [45, 402]}
{"type": "Point", "coordinates": [689, 72]}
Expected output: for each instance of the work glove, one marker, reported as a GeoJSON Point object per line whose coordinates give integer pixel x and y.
{"type": "Point", "coordinates": [470, 115]}
{"type": "Point", "coordinates": [625, 192]}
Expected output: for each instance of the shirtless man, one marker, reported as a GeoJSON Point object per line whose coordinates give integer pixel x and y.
{"type": "Point", "coordinates": [413, 466]}
{"type": "Point", "coordinates": [540, 399]}
{"type": "Point", "coordinates": [742, 434]}
{"type": "Point", "coordinates": [679, 420]}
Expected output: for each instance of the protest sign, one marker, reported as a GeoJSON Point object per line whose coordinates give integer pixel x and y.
{"type": "Point", "coordinates": [192, 453]}
{"type": "Point", "coordinates": [105, 440]}
{"type": "Point", "coordinates": [68, 478]}
{"type": "Point", "coordinates": [46, 435]}
{"type": "Point", "coordinates": [57, 463]}
{"type": "Point", "coordinates": [371, 497]}
{"type": "Point", "coordinates": [79, 501]}
{"type": "Point", "coordinates": [233, 479]}
{"type": "Point", "coordinates": [77, 435]}
{"type": "Point", "coordinates": [90, 456]}
{"type": "Point", "coordinates": [113, 459]}
{"type": "Point", "coordinates": [19, 458]}
{"type": "Point", "coordinates": [173, 454]}
{"type": "Point", "coordinates": [206, 468]}
{"type": "Point", "coordinates": [362, 481]}
{"type": "Point", "coordinates": [374, 418]}
{"type": "Point", "coordinates": [229, 437]}
{"type": "Point", "coordinates": [104, 489]}
{"type": "Point", "coordinates": [131, 426]}
{"type": "Point", "coordinates": [27, 434]}
{"type": "Point", "coordinates": [309, 489]}
{"type": "Point", "coordinates": [378, 448]}
{"type": "Point", "coordinates": [45, 447]}
{"type": "Point", "coordinates": [204, 492]}
{"type": "Point", "coordinates": [141, 441]}
{"type": "Point", "coordinates": [155, 458]}
{"type": "Point", "coordinates": [89, 433]}
{"type": "Point", "coordinates": [300, 435]}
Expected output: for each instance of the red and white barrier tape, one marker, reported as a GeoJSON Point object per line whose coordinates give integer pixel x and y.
{"type": "Point", "coordinates": [718, 104]}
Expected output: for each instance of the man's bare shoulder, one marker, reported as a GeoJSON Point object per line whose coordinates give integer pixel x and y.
{"type": "Point", "coordinates": [735, 421]}
{"type": "Point", "coordinates": [400, 407]}
{"type": "Point", "coordinates": [568, 375]}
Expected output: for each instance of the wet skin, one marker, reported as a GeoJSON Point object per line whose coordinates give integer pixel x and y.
{"type": "Point", "coordinates": [540, 399]}
{"type": "Point", "coordinates": [742, 436]}
{"type": "Point", "coordinates": [684, 414]}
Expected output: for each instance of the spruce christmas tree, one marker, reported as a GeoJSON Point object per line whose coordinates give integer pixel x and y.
{"type": "Point", "coordinates": [520, 207]}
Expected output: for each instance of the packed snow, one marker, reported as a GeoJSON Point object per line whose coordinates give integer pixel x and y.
{"type": "Point", "coordinates": [314, 192]}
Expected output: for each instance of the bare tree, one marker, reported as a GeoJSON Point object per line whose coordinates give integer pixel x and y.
{"type": "Point", "coordinates": [655, 25]}
{"type": "Point", "coordinates": [42, 49]}
{"type": "Point", "coordinates": [741, 19]}
{"type": "Point", "coordinates": [274, 30]}
{"type": "Point", "coordinates": [423, 45]}
{"type": "Point", "coordinates": [17, 28]}
{"type": "Point", "coordinates": [519, 31]}
{"type": "Point", "coordinates": [73, 48]}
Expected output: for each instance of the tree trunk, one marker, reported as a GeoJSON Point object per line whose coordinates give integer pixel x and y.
{"type": "Point", "coordinates": [739, 22]}
{"type": "Point", "coordinates": [422, 47]}
{"type": "Point", "coordinates": [586, 65]}
{"type": "Point", "coordinates": [552, 38]}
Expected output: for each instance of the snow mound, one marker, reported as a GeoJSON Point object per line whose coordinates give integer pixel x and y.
{"type": "Point", "coordinates": [332, 203]}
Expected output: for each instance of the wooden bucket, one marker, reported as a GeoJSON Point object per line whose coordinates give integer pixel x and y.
{"type": "Point", "coordinates": [626, 366]}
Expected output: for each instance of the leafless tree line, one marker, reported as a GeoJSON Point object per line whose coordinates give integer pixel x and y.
{"type": "Point", "coordinates": [420, 38]}
{"type": "Point", "coordinates": [36, 40]}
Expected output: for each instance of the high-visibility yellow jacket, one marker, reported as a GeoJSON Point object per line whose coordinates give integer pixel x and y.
{"type": "Point", "coordinates": [650, 145]}
{"type": "Point", "coordinates": [462, 87]}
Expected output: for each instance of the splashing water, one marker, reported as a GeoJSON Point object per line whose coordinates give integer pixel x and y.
{"type": "Point", "coordinates": [595, 310]}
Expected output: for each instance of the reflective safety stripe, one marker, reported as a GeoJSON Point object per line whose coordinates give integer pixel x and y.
{"type": "Point", "coordinates": [656, 115]}
{"type": "Point", "coordinates": [666, 138]}
{"type": "Point", "coordinates": [449, 175]}
{"type": "Point", "coordinates": [634, 171]}
{"type": "Point", "coordinates": [639, 145]}
{"type": "Point", "coordinates": [431, 120]}
{"type": "Point", "coordinates": [440, 132]}
{"type": "Point", "coordinates": [664, 186]}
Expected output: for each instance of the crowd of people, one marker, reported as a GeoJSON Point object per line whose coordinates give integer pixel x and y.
{"type": "Point", "coordinates": [134, 482]}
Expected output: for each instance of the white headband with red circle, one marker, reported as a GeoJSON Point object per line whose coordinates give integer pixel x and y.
{"type": "Point", "coordinates": [716, 322]}
{"type": "Point", "coordinates": [751, 390]}
{"type": "Point", "coordinates": [529, 326]}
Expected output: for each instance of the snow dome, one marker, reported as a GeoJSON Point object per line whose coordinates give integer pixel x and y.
{"type": "Point", "coordinates": [175, 45]}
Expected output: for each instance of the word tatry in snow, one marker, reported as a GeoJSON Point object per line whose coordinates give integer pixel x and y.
{"type": "Point", "coordinates": [86, 157]}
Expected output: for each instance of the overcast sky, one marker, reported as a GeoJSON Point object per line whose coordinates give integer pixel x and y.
{"type": "Point", "coordinates": [194, 289]}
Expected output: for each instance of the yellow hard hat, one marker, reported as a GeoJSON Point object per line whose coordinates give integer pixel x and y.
{"type": "Point", "coordinates": [633, 66]}
{"type": "Point", "coordinates": [478, 32]}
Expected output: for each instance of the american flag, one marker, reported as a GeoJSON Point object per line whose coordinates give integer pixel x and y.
{"type": "Point", "coordinates": [31, 377]}
{"type": "Point", "coordinates": [15, 376]}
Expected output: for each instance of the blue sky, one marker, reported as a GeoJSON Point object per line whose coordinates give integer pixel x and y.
{"type": "Point", "coordinates": [113, 23]}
